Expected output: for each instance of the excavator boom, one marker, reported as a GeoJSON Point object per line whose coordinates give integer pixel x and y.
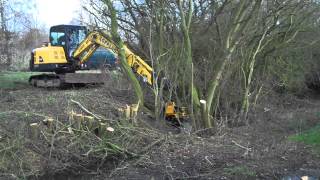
{"type": "Point", "coordinates": [96, 39]}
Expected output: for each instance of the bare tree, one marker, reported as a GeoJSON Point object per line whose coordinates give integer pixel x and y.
{"type": "Point", "coordinates": [210, 50]}
{"type": "Point", "coordinates": [5, 34]}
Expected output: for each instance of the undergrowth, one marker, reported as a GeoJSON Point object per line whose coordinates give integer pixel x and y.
{"type": "Point", "coordinates": [310, 137]}
{"type": "Point", "coordinates": [66, 149]}
{"type": "Point", "coordinates": [240, 170]}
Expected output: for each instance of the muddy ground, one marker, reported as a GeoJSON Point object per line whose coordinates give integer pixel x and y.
{"type": "Point", "coordinates": [261, 150]}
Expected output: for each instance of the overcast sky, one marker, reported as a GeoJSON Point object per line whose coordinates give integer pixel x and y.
{"type": "Point", "coordinates": [54, 12]}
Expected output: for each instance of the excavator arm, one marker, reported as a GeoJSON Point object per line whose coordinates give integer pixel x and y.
{"type": "Point", "coordinates": [96, 39]}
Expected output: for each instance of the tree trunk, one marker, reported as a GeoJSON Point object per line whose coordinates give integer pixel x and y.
{"type": "Point", "coordinates": [185, 26]}
{"type": "Point", "coordinates": [6, 34]}
{"type": "Point", "coordinates": [245, 101]}
{"type": "Point", "coordinates": [122, 57]}
{"type": "Point", "coordinates": [215, 83]}
{"type": "Point", "coordinates": [239, 24]}
{"type": "Point", "coordinates": [160, 63]}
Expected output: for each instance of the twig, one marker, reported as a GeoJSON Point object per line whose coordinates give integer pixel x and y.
{"type": "Point", "coordinates": [243, 147]}
{"type": "Point", "coordinates": [87, 111]}
{"type": "Point", "coordinates": [202, 130]}
{"type": "Point", "coordinates": [7, 148]}
{"type": "Point", "coordinates": [206, 158]}
{"type": "Point", "coordinates": [151, 145]}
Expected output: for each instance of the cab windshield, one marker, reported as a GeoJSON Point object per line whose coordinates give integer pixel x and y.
{"type": "Point", "coordinates": [72, 37]}
{"type": "Point", "coordinates": [57, 38]}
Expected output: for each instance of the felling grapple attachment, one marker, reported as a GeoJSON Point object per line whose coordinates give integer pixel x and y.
{"type": "Point", "coordinates": [175, 114]}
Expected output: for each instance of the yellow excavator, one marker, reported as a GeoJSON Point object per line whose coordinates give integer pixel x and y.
{"type": "Point", "coordinates": [70, 47]}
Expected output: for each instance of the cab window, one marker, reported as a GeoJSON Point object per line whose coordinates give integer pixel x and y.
{"type": "Point", "coordinates": [57, 39]}
{"type": "Point", "coordinates": [76, 37]}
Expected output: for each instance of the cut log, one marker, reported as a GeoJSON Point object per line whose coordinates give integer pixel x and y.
{"type": "Point", "coordinates": [34, 130]}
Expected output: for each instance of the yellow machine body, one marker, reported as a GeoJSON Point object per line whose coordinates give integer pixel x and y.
{"type": "Point", "coordinates": [49, 55]}
{"type": "Point", "coordinates": [170, 109]}
{"type": "Point", "coordinates": [139, 66]}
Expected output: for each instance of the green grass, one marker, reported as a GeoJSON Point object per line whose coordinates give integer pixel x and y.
{"type": "Point", "coordinates": [239, 171]}
{"type": "Point", "coordinates": [12, 80]}
{"type": "Point", "coordinates": [310, 137]}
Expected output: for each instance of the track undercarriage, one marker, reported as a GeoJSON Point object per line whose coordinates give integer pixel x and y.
{"type": "Point", "coordinates": [60, 80]}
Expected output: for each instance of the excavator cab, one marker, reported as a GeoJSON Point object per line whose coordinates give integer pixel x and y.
{"type": "Point", "coordinates": [56, 56]}
{"type": "Point", "coordinates": [67, 36]}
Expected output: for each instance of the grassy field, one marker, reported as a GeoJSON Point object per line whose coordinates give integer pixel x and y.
{"type": "Point", "coordinates": [310, 137]}
{"type": "Point", "coordinates": [13, 80]}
